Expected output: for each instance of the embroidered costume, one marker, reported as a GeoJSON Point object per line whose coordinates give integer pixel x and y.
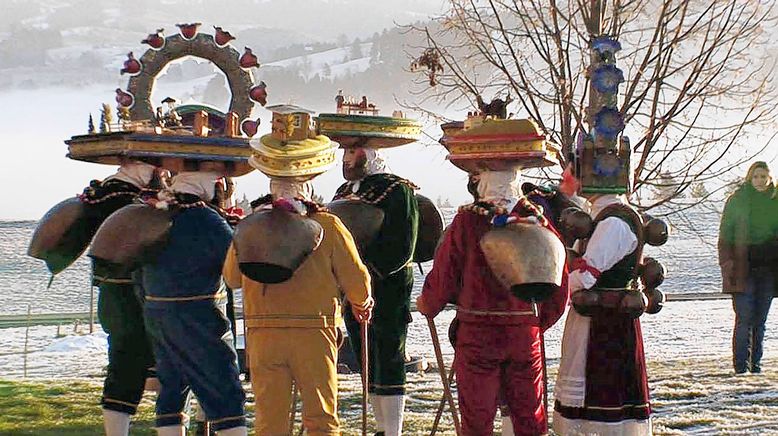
{"type": "Point", "coordinates": [293, 324]}
{"type": "Point", "coordinates": [602, 385]}
{"type": "Point", "coordinates": [185, 311]}
{"type": "Point", "coordinates": [498, 340]}
{"type": "Point", "coordinates": [389, 259]}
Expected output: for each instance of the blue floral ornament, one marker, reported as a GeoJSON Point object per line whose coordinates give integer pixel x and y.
{"type": "Point", "coordinates": [608, 123]}
{"type": "Point", "coordinates": [500, 220]}
{"type": "Point", "coordinates": [607, 78]}
{"type": "Point", "coordinates": [605, 45]}
{"type": "Point", "coordinates": [606, 165]}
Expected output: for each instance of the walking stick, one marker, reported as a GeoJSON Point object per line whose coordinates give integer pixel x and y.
{"type": "Point", "coordinates": [365, 378]}
{"type": "Point", "coordinates": [443, 378]}
{"type": "Point", "coordinates": [442, 404]}
{"type": "Point", "coordinates": [293, 412]}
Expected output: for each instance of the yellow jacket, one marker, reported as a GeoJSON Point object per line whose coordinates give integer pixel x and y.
{"type": "Point", "coordinates": [311, 298]}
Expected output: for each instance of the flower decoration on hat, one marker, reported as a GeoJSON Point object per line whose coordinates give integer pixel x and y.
{"type": "Point", "coordinates": [608, 122]}
{"type": "Point", "coordinates": [605, 45]}
{"type": "Point", "coordinates": [606, 78]}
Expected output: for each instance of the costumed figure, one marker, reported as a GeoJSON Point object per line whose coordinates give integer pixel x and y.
{"type": "Point", "coordinates": [602, 385]}
{"type": "Point", "coordinates": [294, 261]}
{"type": "Point", "coordinates": [388, 253]}
{"type": "Point", "coordinates": [388, 258]}
{"type": "Point", "coordinates": [499, 323]}
{"type": "Point", "coordinates": [186, 308]}
{"type": "Point", "coordinates": [120, 308]}
{"type": "Point", "coordinates": [497, 346]}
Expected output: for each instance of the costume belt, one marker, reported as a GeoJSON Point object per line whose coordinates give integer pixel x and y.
{"type": "Point", "coordinates": [217, 296]}
{"type": "Point", "coordinates": [497, 312]}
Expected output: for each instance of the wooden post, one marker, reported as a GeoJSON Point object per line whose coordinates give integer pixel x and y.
{"type": "Point", "coordinates": [26, 339]}
{"type": "Point", "coordinates": [200, 127]}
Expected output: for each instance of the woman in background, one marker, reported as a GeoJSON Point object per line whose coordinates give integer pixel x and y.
{"type": "Point", "coordinates": [747, 247]}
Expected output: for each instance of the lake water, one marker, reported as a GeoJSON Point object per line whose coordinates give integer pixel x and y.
{"type": "Point", "coordinates": [689, 257]}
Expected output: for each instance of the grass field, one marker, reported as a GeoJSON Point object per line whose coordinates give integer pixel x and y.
{"type": "Point", "coordinates": [699, 396]}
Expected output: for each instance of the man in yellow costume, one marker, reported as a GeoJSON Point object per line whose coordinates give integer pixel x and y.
{"type": "Point", "coordinates": [292, 326]}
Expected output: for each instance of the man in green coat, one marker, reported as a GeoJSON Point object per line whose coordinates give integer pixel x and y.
{"type": "Point", "coordinates": [389, 259]}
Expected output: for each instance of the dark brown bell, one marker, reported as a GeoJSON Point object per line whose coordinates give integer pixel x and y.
{"type": "Point", "coordinates": [652, 272]}
{"type": "Point", "coordinates": [452, 332]}
{"type": "Point", "coordinates": [526, 258]}
{"type": "Point", "coordinates": [656, 301]}
{"type": "Point", "coordinates": [63, 234]}
{"type": "Point", "coordinates": [363, 220]}
{"type": "Point", "coordinates": [131, 236]}
{"type": "Point", "coordinates": [633, 304]}
{"type": "Point", "coordinates": [656, 232]}
{"type": "Point", "coordinates": [585, 302]}
{"type": "Point", "coordinates": [575, 224]}
{"type": "Point", "coordinates": [430, 230]}
{"type": "Point", "coordinates": [271, 244]}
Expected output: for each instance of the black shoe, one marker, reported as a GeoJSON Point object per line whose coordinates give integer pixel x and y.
{"type": "Point", "coordinates": [740, 371]}
{"type": "Point", "coordinates": [379, 433]}
{"type": "Point", "coordinates": [756, 369]}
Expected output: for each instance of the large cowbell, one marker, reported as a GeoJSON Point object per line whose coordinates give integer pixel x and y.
{"type": "Point", "coordinates": [362, 220]}
{"type": "Point", "coordinates": [431, 227]}
{"type": "Point", "coordinates": [526, 258]}
{"type": "Point", "coordinates": [271, 244]}
{"type": "Point", "coordinates": [130, 237]}
{"type": "Point", "coordinates": [63, 234]}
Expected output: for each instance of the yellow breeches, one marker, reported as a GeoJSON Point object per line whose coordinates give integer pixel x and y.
{"type": "Point", "coordinates": [309, 357]}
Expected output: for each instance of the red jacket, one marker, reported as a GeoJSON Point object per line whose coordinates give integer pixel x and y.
{"type": "Point", "coordinates": [460, 275]}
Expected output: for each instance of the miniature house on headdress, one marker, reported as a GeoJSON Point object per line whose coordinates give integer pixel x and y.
{"type": "Point", "coordinates": [357, 124]}
{"type": "Point", "coordinates": [292, 149]}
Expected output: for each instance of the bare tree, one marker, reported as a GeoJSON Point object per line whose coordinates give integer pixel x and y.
{"type": "Point", "coordinates": [698, 75]}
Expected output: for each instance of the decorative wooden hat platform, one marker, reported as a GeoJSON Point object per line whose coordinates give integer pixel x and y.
{"type": "Point", "coordinates": [178, 135]}
{"type": "Point", "coordinates": [292, 149]}
{"type": "Point", "coordinates": [483, 142]}
{"type": "Point", "coordinates": [357, 124]}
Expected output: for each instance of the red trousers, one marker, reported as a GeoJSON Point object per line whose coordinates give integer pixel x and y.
{"type": "Point", "coordinates": [494, 358]}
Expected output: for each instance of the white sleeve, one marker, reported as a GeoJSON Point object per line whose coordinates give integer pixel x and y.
{"type": "Point", "coordinates": [611, 241]}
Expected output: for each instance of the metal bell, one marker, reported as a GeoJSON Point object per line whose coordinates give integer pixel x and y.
{"type": "Point", "coordinates": [271, 244]}
{"type": "Point", "coordinates": [656, 300]}
{"type": "Point", "coordinates": [131, 236]}
{"type": "Point", "coordinates": [526, 258]}
{"type": "Point", "coordinates": [656, 231]}
{"type": "Point", "coordinates": [430, 230]}
{"type": "Point", "coordinates": [63, 234]}
{"type": "Point", "coordinates": [633, 304]}
{"type": "Point", "coordinates": [586, 302]}
{"type": "Point", "coordinates": [652, 273]}
{"type": "Point", "coordinates": [363, 220]}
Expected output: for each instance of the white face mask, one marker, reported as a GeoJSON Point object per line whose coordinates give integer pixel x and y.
{"type": "Point", "coordinates": [201, 184]}
{"type": "Point", "coordinates": [286, 188]}
{"type": "Point", "coordinates": [500, 187]}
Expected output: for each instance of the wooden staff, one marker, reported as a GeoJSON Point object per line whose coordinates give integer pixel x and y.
{"type": "Point", "coordinates": [365, 378]}
{"type": "Point", "coordinates": [293, 412]}
{"type": "Point", "coordinates": [443, 377]}
{"type": "Point", "coordinates": [442, 404]}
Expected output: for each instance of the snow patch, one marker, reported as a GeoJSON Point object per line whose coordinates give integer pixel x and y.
{"type": "Point", "coordinates": [96, 342]}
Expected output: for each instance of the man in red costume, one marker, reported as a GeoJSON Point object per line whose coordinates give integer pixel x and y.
{"type": "Point", "coordinates": [499, 339]}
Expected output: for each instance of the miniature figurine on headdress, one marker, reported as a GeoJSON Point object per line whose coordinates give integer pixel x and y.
{"type": "Point", "coordinates": [293, 260]}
